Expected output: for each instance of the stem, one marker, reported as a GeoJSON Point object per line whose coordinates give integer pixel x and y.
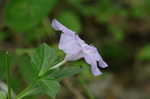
{"type": "Point", "coordinates": [27, 90]}
{"type": "Point", "coordinates": [8, 76]}
{"type": "Point", "coordinates": [58, 65]}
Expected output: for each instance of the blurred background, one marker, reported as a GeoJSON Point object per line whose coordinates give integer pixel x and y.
{"type": "Point", "coordinates": [120, 29]}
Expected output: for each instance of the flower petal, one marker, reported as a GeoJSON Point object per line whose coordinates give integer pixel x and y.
{"type": "Point", "coordinates": [92, 56]}
{"type": "Point", "coordinates": [72, 57]}
{"type": "Point", "coordinates": [95, 71]}
{"type": "Point", "coordinates": [102, 63]}
{"type": "Point", "coordinates": [75, 48]}
{"type": "Point", "coordinates": [68, 44]}
{"type": "Point", "coordinates": [96, 55]}
{"type": "Point", "coordinates": [80, 41]}
{"type": "Point", "coordinates": [67, 41]}
{"type": "Point", "coordinates": [90, 60]}
{"type": "Point", "coordinates": [60, 27]}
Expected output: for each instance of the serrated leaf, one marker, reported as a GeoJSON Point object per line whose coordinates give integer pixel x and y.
{"type": "Point", "coordinates": [43, 86]}
{"type": "Point", "coordinates": [51, 87]}
{"type": "Point", "coordinates": [66, 72]}
{"type": "Point", "coordinates": [24, 14]}
{"type": "Point", "coordinates": [43, 58]}
{"type": "Point", "coordinates": [27, 70]}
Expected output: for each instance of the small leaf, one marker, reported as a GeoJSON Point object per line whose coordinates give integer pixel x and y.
{"type": "Point", "coordinates": [43, 58]}
{"type": "Point", "coordinates": [66, 72]}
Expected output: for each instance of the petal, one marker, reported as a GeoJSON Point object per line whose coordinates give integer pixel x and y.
{"type": "Point", "coordinates": [90, 60]}
{"type": "Point", "coordinates": [60, 27]}
{"type": "Point", "coordinates": [67, 41]}
{"type": "Point", "coordinates": [95, 71]}
{"type": "Point", "coordinates": [56, 25]}
{"type": "Point", "coordinates": [93, 52]}
{"type": "Point", "coordinates": [72, 57]}
{"type": "Point", "coordinates": [102, 64]}
{"type": "Point", "coordinates": [68, 44]}
{"type": "Point", "coordinates": [91, 56]}
{"type": "Point", "coordinates": [80, 41]}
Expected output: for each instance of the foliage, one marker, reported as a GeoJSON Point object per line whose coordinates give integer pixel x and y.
{"type": "Point", "coordinates": [120, 29]}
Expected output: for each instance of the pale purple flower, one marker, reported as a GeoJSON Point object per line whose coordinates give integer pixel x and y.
{"type": "Point", "coordinates": [75, 48]}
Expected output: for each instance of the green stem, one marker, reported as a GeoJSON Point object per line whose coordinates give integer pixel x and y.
{"type": "Point", "coordinates": [27, 90]}
{"type": "Point", "coordinates": [58, 65]}
{"type": "Point", "coordinates": [8, 76]}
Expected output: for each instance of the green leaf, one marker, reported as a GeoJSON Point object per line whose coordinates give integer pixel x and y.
{"type": "Point", "coordinates": [43, 58]}
{"type": "Point", "coordinates": [66, 72]}
{"type": "Point", "coordinates": [73, 23]}
{"type": "Point", "coordinates": [24, 14]}
{"type": "Point", "coordinates": [27, 70]}
{"type": "Point", "coordinates": [43, 86]}
{"type": "Point", "coordinates": [3, 95]}
{"type": "Point", "coordinates": [144, 53]}
{"type": "Point", "coordinates": [86, 72]}
{"type": "Point", "coordinates": [50, 87]}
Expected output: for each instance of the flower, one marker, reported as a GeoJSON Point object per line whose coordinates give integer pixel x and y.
{"type": "Point", "coordinates": [75, 48]}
